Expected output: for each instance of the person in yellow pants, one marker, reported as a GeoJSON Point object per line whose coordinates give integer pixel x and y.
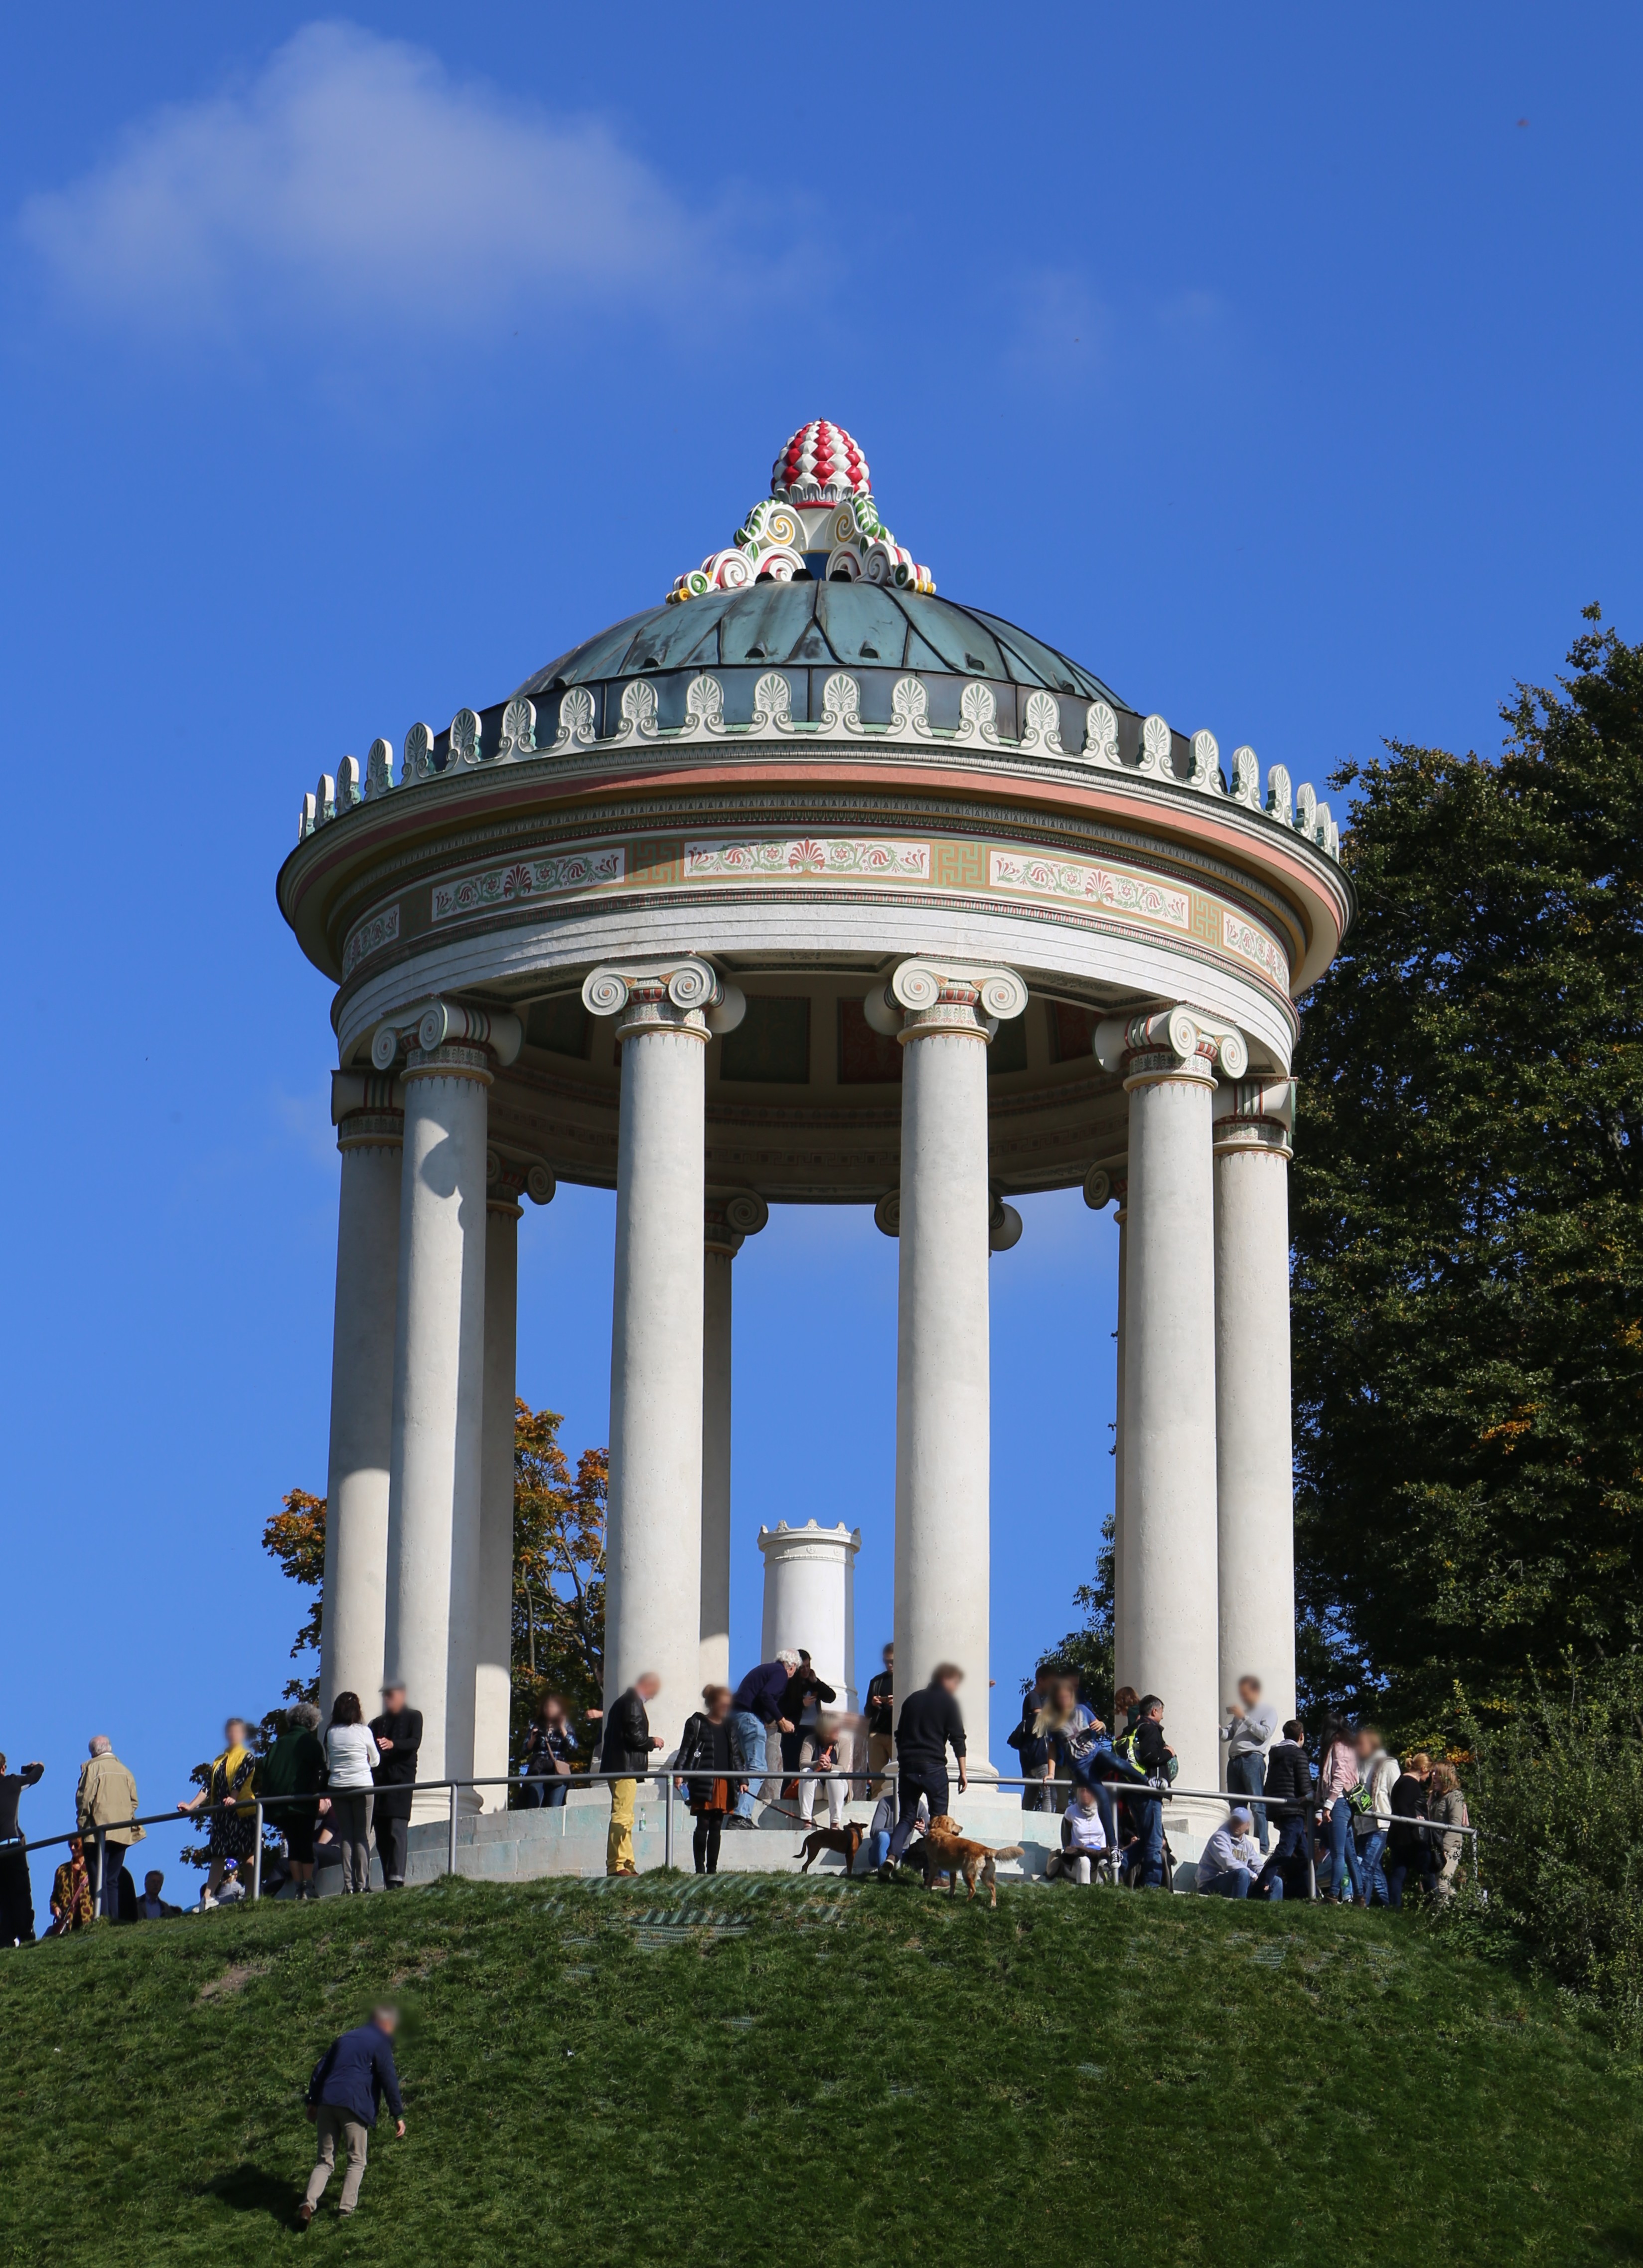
{"type": "Point", "coordinates": [628, 1743]}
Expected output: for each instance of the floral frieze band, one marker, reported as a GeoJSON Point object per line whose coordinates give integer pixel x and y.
{"type": "Point", "coordinates": [529, 878]}
{"type": "Point", "coordinates": [804, 857]}
{"type": "Point", "coordinates": [1085, 884]}
{"type": "Point", "coordinates": [1123, 896]}
{"type": "Point", "coordinates": [372, 936]}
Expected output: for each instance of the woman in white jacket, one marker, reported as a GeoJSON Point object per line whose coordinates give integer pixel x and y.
{"type": "Point", "coordinates": [351, 1755]}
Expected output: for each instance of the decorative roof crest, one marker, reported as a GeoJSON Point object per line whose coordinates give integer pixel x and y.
{"type": "Point", "coordinates": [819, 519]}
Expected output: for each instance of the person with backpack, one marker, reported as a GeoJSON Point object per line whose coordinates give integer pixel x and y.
{"type": "Point", "coordinates": [1378, 1776]}
{"type": "Point", "coordinates": [1142, 1756]}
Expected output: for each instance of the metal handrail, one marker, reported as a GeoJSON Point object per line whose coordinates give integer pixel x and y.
{"type": "Point", "coordinates": [668, 1773]}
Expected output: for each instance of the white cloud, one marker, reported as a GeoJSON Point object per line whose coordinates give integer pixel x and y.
{"type": "Point", "coordinates": [354, 183]}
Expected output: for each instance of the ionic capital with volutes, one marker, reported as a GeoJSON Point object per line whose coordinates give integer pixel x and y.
{"type": "Point", "coordinates": [367, 1110]}
{"type": "Point", "coordinates": [509, 1176]}
{"type": "Point", "coordinates": [446, 1039]}
{"type": "Point", "coordinates": [924, 998]}
{"type": "Point", "coordinates": [1254, 1115]}
{"type": "Point", "coordinates": [1169, 1043]}
{"type": "Point", "coordinates": [679, 994]}
{"type": "Point", "coordinates": [727, 1222]}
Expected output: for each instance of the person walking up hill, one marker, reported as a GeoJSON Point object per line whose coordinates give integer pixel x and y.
{"type": "Point", "coordinates": [17, 1892]}
{"type": "Point", "coordinates": [344, 2094]}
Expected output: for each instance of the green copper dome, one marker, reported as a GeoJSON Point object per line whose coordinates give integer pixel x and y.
{"type": "Point", "coordinates": [819, 625]}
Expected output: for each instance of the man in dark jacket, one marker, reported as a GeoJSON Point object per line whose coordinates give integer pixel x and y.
{"type": "Point", "coordinates": [928, 1725]}
{"type": "Point", "coordinates": [398, 1734]}
{"type": "Point", "coordinates": [16, 1897]}
{"type": "Point", "coordinates": [1143, 1754]}
{"type": "Point", "coordinates": [804, 1691]}
{"type": "Point", "coordinates": [628, 1741]}
{"type": "Point", "coordinates": [1289, 1791]}
{"type": "Point", "coordinates": [757, 1726]}
{"type": "Point", "coordinates": [349, 2082]}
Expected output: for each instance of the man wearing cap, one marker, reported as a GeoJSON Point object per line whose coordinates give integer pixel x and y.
{"type": "Point", "coordinates": [1227, 1869]}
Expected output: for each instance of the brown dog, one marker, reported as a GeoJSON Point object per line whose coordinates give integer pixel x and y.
{"type": "Point", "coordinates": [946, 1851]}
{"type": "Point", "coordinates": [847, 1840]}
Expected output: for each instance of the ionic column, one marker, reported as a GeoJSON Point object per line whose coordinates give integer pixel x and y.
{"type": "Point", "coordinates": [1099, 1186]}
{"type": "Point", "coordinates": [371, 1129]}
{"type": "Point", "coordinates": [1254, 1460]}
{"type": "Point", "coordinates": [507, 1180]}
{"type": "Point", "coordinates": [726, 1223]}
{"type": "Point", "coordinates": [943, 1356]}
{"type": "Point", "coordinates": [1169, 1641]}
{"type": "Point", "coordinates": [653, 1539]}
{"type": "Point", "coordinates": [438, 1383]}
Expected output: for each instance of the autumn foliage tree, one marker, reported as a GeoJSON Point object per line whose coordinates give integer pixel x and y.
{"type": "Point", "coordinates": [558, 1567]}
{"type": "Point", "coordinates": [296, 1537]}
{"type": "Point", "coordinates": [558, 1640]}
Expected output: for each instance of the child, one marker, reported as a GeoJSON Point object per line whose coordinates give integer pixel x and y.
{"type": "Point", "coordinates": [1083, 1838]}
{"type": "Point", "coordinates": [825, 1760]}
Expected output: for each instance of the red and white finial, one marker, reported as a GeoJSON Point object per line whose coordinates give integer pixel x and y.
{"type": "Point", "coordinates": [821, 464]}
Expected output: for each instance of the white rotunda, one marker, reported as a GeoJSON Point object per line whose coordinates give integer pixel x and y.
{"type": "Point", "coordinates": [808, 886]}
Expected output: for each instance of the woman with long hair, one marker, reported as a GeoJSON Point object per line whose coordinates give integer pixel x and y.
{"type": "Point", "coordinates": [351, 1757]}
{"type": "Point", "coordinates": [704, 1749]}
{"type": "Point", "coordinates": [1446, 1807]}
{"type": "Point", "coordinates": [1340, 1878]}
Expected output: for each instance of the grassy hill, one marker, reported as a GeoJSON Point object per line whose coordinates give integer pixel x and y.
{"type": "Point", "coordinates": [864, 2074]}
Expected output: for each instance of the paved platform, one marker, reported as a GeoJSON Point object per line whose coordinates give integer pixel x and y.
{"type": "Point", "coordinates": [509, 1846]}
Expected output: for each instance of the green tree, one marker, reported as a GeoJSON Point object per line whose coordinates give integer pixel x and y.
{"type": "Point", "coordinates": [1468, 1243]}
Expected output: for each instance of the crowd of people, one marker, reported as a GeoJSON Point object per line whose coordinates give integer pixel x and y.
{"type": "Point", "coordinates": [333, 1790]}
{"type": "Point", "coordinates": [1354, 1825]}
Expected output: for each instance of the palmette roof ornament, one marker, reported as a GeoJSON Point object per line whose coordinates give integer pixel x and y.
{"type": "Point", "coordinates": [819, 522]}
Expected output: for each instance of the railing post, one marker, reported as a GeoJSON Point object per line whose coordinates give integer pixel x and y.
{"type": "Point", "coordinates": [256, 1856]}
{"type": "Point", "coordinates": [667, 1824]}
{"type": "Point", "coordinates": [102, 1866]}
{"type": "Point", "coordinates": [450, 1856]}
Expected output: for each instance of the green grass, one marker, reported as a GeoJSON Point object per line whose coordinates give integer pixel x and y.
{"type": "Point", "coordinates": [869, 2075]}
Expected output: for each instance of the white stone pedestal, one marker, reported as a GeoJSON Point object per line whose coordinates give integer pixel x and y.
{"type": "Point", "coordinates": [809, 1600]}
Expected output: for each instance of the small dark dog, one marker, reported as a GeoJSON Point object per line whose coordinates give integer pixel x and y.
{"type": "Point", "coordinates": [846, 1840]}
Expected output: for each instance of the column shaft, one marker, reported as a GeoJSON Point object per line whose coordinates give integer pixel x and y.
{"type": "Point", "coordinates": [1120, 1554]}
{"type": "Point", "coordinates": [1255, 1450]}
{"type": "Point", "coordinates": [713, 1667]}
{"type": "Point", "coordinates": [439, 1354]}
{"type": "Point", "coordinates": [943, 1374]}
{"type": "Point", "coordinates": [361, 1409]}
{"type": "Point", "coordinates": [1168, 1645]}
{"type": "Point", "coordinates": [493, 1683]}
{"type": "Point", "coordinates": [653, 1553]}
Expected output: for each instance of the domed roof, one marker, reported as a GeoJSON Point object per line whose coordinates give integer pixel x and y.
{"type": "Point", "coordinates": [814, 624]}
{"type": "Point", "coordinates": [821, 464]}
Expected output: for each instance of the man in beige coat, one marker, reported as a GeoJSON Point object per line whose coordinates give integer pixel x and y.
{"type": "Point", "coordinates": [107, 1798]}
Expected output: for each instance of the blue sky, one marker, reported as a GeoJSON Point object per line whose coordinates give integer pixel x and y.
{"type": "Point", "coordinates": [1280, 366]}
